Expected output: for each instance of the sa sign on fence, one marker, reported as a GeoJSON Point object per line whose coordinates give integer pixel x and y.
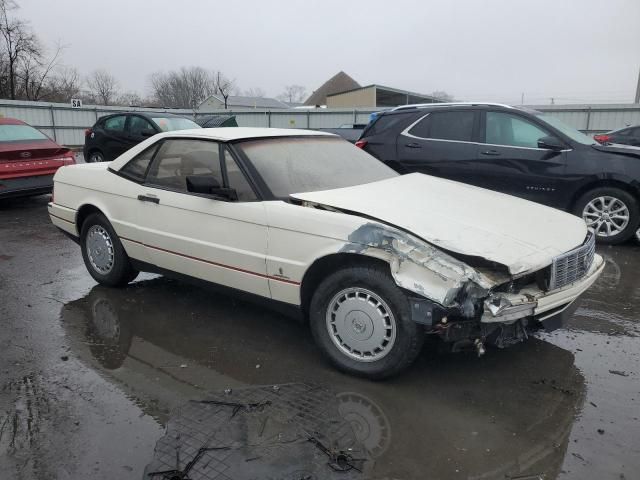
{"type": "Point", "coordinates": [76, 103]}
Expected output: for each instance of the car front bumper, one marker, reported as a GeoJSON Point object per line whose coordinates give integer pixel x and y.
{"type": "Point", "coordinates": [538, 305]}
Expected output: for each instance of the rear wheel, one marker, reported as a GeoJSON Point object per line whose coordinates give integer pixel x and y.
{"type": "Point", "coordinates": [103, 254]}
{"type": "Point", "coordinates": [362, 321]}
{"type": "Point", "coordinates": [95, 156]}
{"type": "Point", "coordinates": [611, 212]}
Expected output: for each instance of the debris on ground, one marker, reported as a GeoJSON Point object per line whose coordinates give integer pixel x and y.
{"type": "Point", "coordinates": [282, 431]}
{"type": "Point", "coordinates": [619, 372]}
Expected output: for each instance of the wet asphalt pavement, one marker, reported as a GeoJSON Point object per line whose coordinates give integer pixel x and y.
{"type": "Point", "coordinates": [89, 375]}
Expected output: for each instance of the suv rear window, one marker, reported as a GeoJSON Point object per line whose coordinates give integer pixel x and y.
{"type": "Point", "coordinates": [382, 123]}
{"type": "Point", "coordinates": [446, 126]}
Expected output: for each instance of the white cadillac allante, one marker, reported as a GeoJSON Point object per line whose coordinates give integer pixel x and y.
{"type": "Point", "coordinates": [372, 259]}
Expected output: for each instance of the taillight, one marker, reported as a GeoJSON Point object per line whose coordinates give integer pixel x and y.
{"type": "Point", "coordinates": [69, 158]}
{"type": "Point", "coordinates": [602, 138]}
{"type": "Point", "coordinates": [361, 143]}
{"type": "Point", "coordinates": [87, 132]}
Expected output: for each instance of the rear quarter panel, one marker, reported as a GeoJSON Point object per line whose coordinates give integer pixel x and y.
{"type": "Point", "coordinates": [92, 184]}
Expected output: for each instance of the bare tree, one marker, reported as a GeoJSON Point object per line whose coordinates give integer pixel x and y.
{"type": "Point", "coordinates": [224, 87]}
{"type": "Point", "coordinates": [184, 88]}
{"type": "Point", "coordinates": [255, 92]}
{"type": "Point", "coordinates": [63, 85]}
{"type": "Point", "coordinates": [34, 76]}
{"type": "Point", "coordinates": [293, 94]}
{"type": "Point", "coordinates": [130, 99]}
{"type": "Point", "coordinates": [19, 44]}
{"type": "Point", "coordinates": [103, 86]}
{"type": "Point", "coordinates": [442, 95]}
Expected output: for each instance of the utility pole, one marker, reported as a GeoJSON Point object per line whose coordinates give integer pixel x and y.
{"type": "Point", "coordinates": [522, 99]}
{"type": "Point", "coordinates": [637, 100]}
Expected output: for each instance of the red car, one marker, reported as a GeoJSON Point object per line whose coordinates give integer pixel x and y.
{"type": "Point", "coordinates": [28, 159]}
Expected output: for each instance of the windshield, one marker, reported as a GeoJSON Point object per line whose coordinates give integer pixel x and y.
{"type": "Point", "coordinates": [569, 131]}
{"type": "Point", "coordinates": [309, 164]}
{"type": "Point", "coordinates": [174, 123]}
{"type": "Point", "coordinates": [18, 133]}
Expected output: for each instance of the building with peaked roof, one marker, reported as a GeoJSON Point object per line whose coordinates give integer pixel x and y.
{"type": "Point", "coordinates": [241, 102]}
{"type": "Point", "coordinates": [340, 82]}
{"type": "Point", "coordinates": [372, 96]}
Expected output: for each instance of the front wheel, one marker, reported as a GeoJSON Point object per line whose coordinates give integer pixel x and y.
{"type": "Point", "coordinates": [103, 254]}
{"type": "Point", "coordinates": [95, 157]}
{"type": "Point", "coordinates": [611, 212]}
{"type": "Point", "coordinates": [362, 322]}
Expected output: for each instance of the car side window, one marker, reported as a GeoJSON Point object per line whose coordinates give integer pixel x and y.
{"type": "Point", "coordinates": [138, 124]}
{"type": "Point", "coordinates": [512, 130]}
{"type": "Point", "coordinates": [136, 168]}
{"type": "Point", "coordinates": [457, 126]}
{"type": "Point", "coordinates": [178, 159]}
{"type": "Point", "coordinates": [237, 179]}
{"type": "Point", "coordinates": [115, 123]}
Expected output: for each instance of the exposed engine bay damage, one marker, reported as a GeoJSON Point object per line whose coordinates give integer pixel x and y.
{"type": "Point", "coordinates": [421, 268]}
{"type": "Point", "coordinates": [464, 305]}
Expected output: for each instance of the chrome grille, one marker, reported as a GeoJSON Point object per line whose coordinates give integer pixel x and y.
{"type": "Point", "coordinates": [572, 266]}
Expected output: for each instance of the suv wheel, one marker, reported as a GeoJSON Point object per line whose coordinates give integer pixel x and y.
{"type": "Point", "coordinates": [611, 212]}
{"type": "Point", "coordinates": [362, 321]}
{"type": "Point", "coordinates": [103, 254]}
{"type": "Point", "coordinates": [95, 156]}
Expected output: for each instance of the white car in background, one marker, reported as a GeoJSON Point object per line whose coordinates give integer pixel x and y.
{"type": "Point", "coordinates": [372, 259]}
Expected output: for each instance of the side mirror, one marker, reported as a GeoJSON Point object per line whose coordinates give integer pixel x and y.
{"type": "Point", "coordinates": [147, 132]}
{"type": "Point", "coordinates": [551, 143]}
{"type": "Point", "coordinates": [208, 185]}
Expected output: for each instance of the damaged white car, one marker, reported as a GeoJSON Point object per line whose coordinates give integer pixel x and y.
{"type": "Point", "coordinates": [372, 259]}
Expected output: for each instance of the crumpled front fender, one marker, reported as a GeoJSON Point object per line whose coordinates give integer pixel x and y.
{"type": "Point", "coordinates": [418, 266]}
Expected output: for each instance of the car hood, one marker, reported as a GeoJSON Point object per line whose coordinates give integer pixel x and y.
{"type": "Point", "coordinates": [616, 148]}
{"type": "Point", "coordinates": [524, 236]}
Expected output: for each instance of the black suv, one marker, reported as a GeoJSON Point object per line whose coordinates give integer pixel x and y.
{"type": "Point", "coordinates": [517, 151]}
{"type": "Point", "coordinates": [112, 135]}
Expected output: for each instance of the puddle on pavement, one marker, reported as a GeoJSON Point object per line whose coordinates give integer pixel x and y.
{"type": "Point", "coordinates": [165, 343]}
{"type": "Point", "coordinates": [604, 336]}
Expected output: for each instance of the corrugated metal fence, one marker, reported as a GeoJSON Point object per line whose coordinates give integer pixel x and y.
{"type": "Point", "coordinates": [66, 125]}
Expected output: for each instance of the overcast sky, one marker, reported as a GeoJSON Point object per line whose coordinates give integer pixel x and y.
{"type": "Point", "coordinates": [578, 50]}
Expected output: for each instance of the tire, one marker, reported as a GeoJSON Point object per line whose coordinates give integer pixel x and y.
{"type": "Point", "coordinates": [595, 207]}
{"type": "Point", "coordinates": [103, 254]}
{"type": "Point", "coordinates": [342, 291]}
{"type": "Point", "coordinates": [95, 156]}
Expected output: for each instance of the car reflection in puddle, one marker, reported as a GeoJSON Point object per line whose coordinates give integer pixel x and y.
{"type": "Point", "coordinates": [165, 343]}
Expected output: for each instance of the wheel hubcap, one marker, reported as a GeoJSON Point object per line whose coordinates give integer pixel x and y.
{"type": "Point", "coordinates": [608, 216]}
{"type": "Point", "coordinates": [361, 324]}
{"type": "Point", "coordinates": [100, 249]}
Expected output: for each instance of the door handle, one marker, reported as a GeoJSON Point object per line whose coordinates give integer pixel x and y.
{"type": "Point", "coordinates": [146, 198]}
{"type": "Point", "coordinates": [413, 145]}
{"type": "Point", "coordinates": [490, 152]}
